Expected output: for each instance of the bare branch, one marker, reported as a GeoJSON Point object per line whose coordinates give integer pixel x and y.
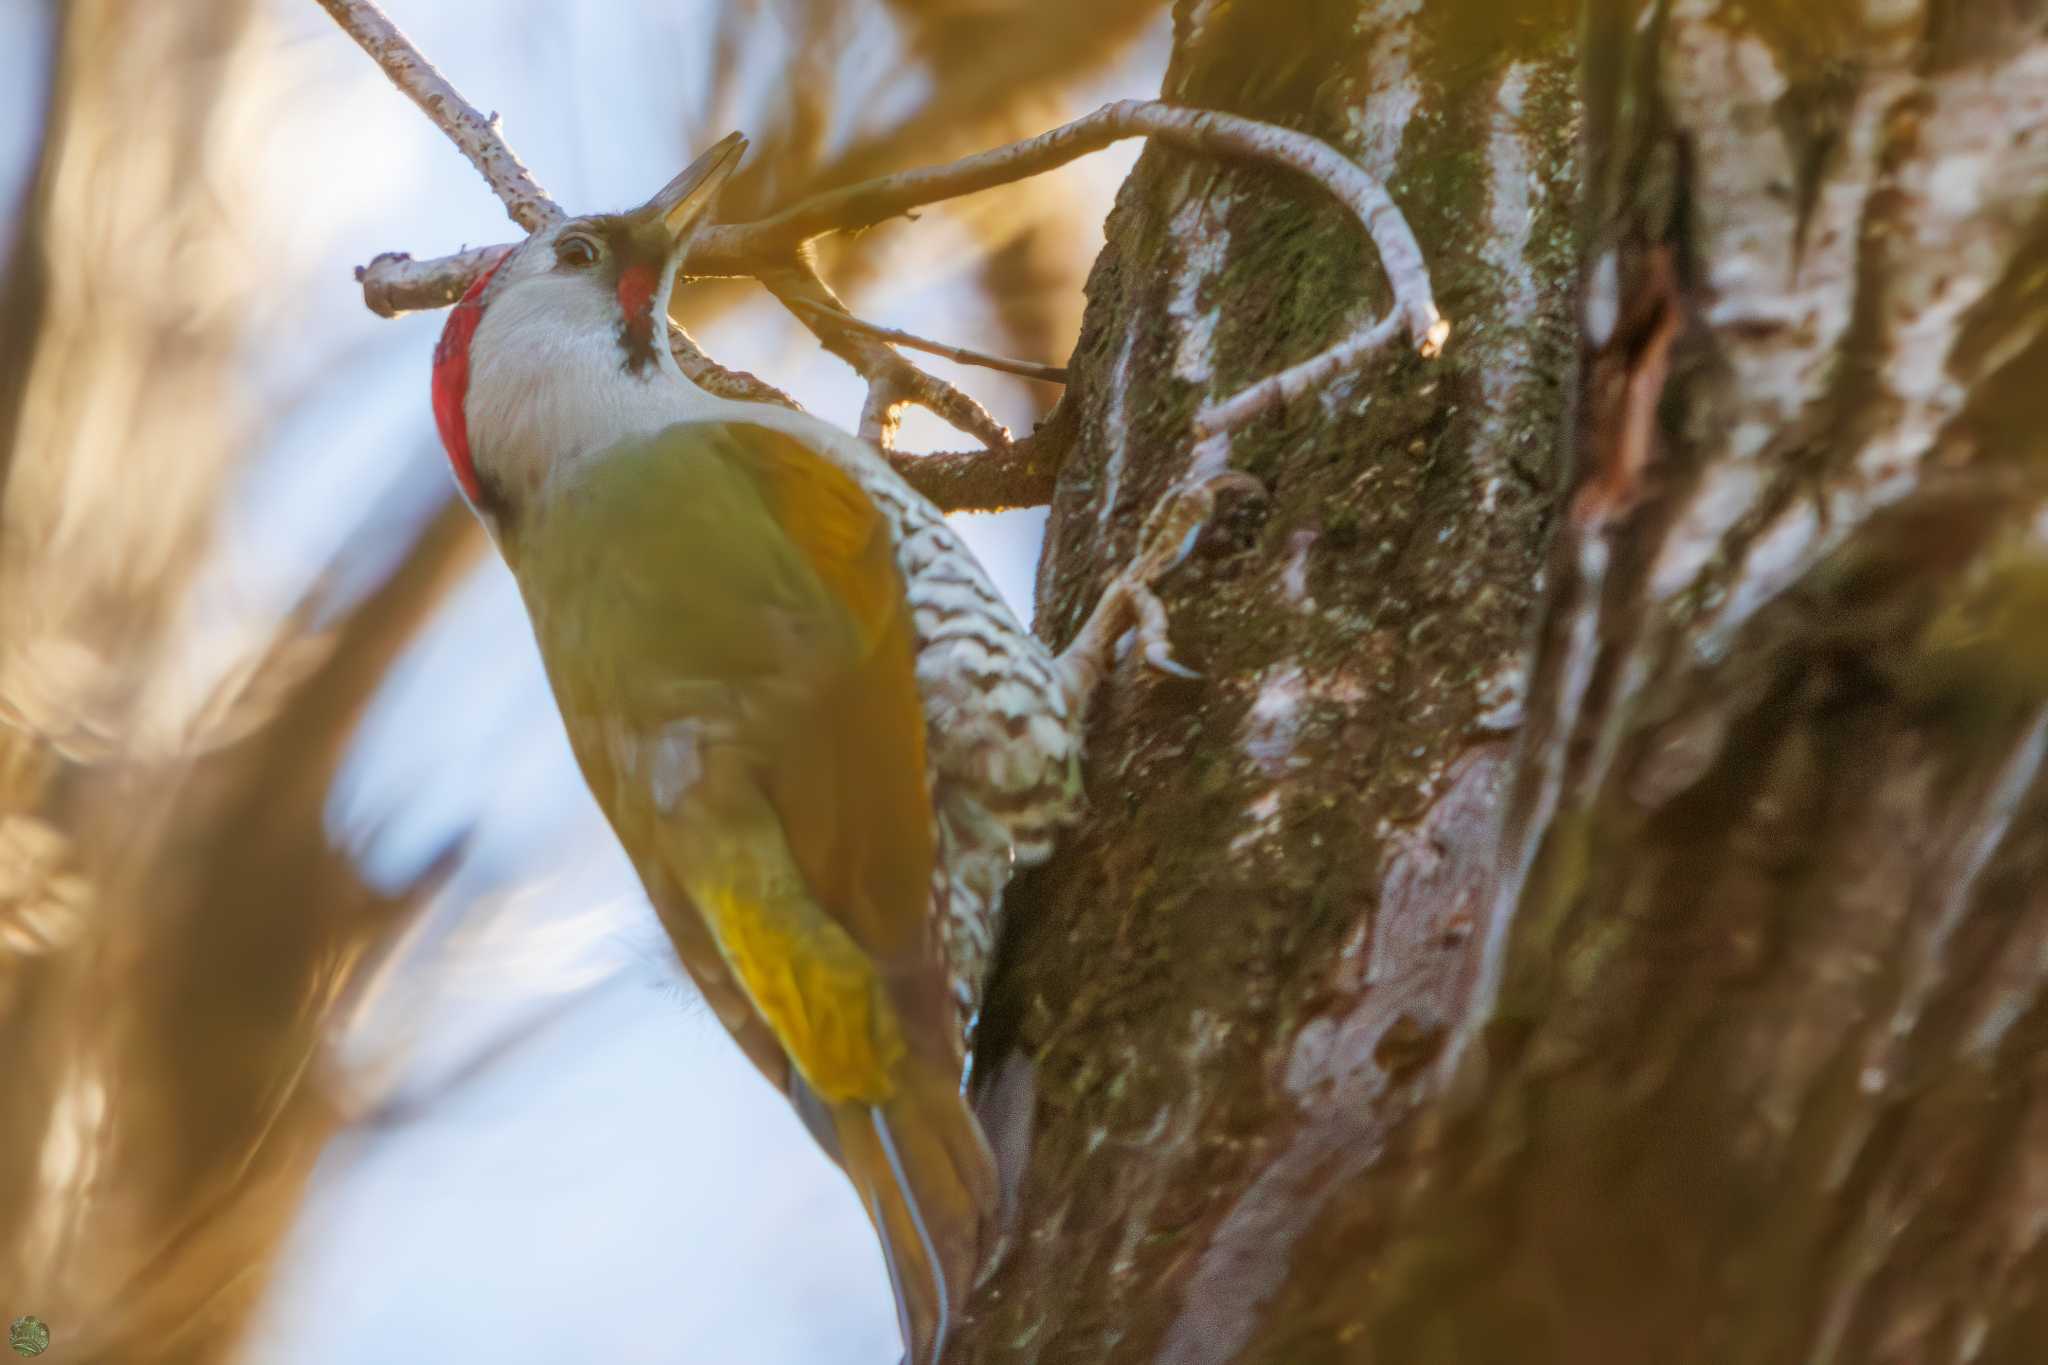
{"type": "Point", "coordinates": [1233, 413]}
{"type": "Point", "coordinates": [772, 249]}
{"type": "Point", "coordinates": [1051, 374]}
{"type": "Point", "coordinates": [477, 136]}
{"type": "Point", "coordinates": [892, 380]}
{"type": "Point", "coordinates": [395, 283]}
{"type": "Point", "coordinates": [1020, 474]}
{"type": "Point", "coordinates": [929, 391]}
{"type": "Point", "coordinates": [739, 249]}
{"type": "Point", "coordinates": [731, 249]}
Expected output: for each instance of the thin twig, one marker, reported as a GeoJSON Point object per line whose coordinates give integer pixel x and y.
{"type": "Point", "coordinates": [1029, 369]}
{"type": "Point", "coordinates": [772, 249]}
{"type": "Point", "coordinates": [1233, 413]}
{"type": "Point", "coordinates": [892, 380]}
{"type": "Point", "coordinates": [714, 378]}
{"type": "Point", "coordinates": [395, 281]}
{"type": "Point", "coordinates": [740, 249]}
{"type": "Point", "coordinates": [477, 136]}
{"type": "Point", "coordinates": [878, 412]}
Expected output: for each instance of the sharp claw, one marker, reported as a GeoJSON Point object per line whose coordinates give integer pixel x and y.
{"type": "Point", "coordinates": [1168, 537]}
{"type": "Point", "coordinates": [1157, 656]}
{"type": "Point", "coordinates": [1192, 502]}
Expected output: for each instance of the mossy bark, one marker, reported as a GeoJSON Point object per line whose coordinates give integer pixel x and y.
{"type": "Point", "coordinates": [1591, 909]}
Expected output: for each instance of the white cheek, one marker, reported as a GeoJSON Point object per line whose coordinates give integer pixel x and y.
{"type": "Point", "coordinates": [549, 384]}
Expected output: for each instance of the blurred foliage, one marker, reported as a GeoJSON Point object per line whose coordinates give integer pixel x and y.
{"type": "Point", "coordinates": [993, 71]}
{"type": "Point", "coordinates": [178, 928]}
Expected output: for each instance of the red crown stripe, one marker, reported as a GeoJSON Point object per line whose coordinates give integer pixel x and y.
{"type": "Point", "coordinates": [451, 381]}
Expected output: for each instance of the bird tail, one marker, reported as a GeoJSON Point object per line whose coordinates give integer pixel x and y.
{"type": "Point", "coordinates": [928, 1182]}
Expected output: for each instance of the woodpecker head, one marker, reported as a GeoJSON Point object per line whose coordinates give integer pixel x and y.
{"type": "Point", "coordinates": [560, 349]}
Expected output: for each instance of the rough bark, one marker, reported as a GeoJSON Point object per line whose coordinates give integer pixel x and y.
{"type": "Point", "coordinates": [1592, 908]}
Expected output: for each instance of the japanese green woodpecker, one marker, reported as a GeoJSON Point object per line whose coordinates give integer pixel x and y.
{"type": "Point", "coordinates": [821, 737]}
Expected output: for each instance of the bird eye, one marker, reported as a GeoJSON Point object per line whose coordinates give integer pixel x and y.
{"type": "Point", "coordinates": [576, 251]}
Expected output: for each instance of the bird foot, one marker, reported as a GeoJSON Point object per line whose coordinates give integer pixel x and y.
{"type": "Point", "coordinates": [1129, 608]}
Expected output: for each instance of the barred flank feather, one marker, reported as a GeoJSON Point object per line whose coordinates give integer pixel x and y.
{"type": "Point", "coordinates": [1004, 748]}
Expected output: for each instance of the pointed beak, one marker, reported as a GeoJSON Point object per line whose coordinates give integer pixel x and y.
{"type": "Point", "coordinates": [684, 200]}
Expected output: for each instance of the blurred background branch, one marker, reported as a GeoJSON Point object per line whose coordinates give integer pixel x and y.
{"type": "Point", "coordinates": [273, 821]}
{"type": "Point", "coordinates": [178, 925]}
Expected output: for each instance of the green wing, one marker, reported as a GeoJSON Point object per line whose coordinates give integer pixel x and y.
{"type": "Point", "coordinates": [725, 628]}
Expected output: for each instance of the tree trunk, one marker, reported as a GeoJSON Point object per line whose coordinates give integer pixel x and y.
{"type": "Point", "coordinates": [1593, 908]}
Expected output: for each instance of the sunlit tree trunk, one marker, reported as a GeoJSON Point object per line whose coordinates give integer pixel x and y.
{"type": "Point", "coordinates": [1595, 906]}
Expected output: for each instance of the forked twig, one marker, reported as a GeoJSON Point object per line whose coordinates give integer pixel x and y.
{"type": "Point", "coordinates": [741, 248]}
{"type": "Point", "coordinates": [892, 380]}
{"type": "Point", "coordinates": [773, 250]}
